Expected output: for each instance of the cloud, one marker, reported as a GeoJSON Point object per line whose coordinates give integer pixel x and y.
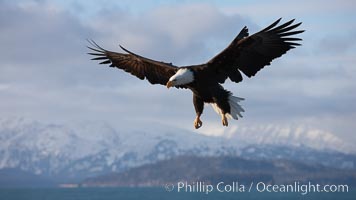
{"type": "Point", "coordinates": [39, 33]}
{"type": "Point", "coordinates": [295, 8]}
{"type": "Point", "coordinates": [167, 33]}
{"type": "Point", "coordinates": [342, 43]}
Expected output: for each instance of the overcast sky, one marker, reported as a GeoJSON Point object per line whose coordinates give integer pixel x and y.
{"type": "Point", "coordinates": [45, 73]}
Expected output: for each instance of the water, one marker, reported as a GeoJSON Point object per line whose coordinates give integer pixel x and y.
{"type": "Point", "coordinates": [153, 194]}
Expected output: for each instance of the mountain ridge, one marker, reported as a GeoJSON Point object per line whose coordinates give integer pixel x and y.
{"type": "Point", "coordinates": [67, 153]}
{"type": "Point", "coordinates": [193, 169]}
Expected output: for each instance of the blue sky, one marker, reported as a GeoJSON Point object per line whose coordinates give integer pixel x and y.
{"type": "Point", "coordinates": [46, 75]}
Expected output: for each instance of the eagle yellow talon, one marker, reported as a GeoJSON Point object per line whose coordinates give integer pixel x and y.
{"type": "Point", "coordinates": [197, 123]}
{"type": "Point", "coordinates": [224, 120]}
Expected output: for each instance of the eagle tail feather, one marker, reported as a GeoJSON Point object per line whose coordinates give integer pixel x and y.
{"type": "Point", "coordinates": [235, 108]}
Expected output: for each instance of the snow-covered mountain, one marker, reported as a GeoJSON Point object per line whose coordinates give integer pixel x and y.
{"type": "Point", "coordinates": [88, 149]}
{"type": "Point", "coordinates": [74, 152]}
{"type": "Point", "coordinates": [295, 135]}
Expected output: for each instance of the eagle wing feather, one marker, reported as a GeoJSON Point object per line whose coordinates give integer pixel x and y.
{"type": "Point", "coordinates": [155, 72]}
{"type": "Point", "coordinates": [249, 54]}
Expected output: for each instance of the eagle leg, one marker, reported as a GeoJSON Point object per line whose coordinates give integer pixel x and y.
{"type": "Point", "coordinates": [224, 120]}
{"type": "Point", "coordinates": [199, 107]}
{"type": "Point", "coordinates": [197, 122]}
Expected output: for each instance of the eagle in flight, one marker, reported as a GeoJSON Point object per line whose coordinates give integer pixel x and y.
{"type": "Point", "coordinates": [246, 54]}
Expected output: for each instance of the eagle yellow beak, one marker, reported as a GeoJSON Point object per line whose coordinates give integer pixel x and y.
{"type": "Point", "coordinates": [169, 84]}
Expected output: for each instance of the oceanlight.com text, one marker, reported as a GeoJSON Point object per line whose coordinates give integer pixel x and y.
{"type": "Point", "coordinates": [236, 187]}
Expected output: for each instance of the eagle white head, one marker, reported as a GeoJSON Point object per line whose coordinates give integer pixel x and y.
{"type": "Point", "coordinates": [182, 77]}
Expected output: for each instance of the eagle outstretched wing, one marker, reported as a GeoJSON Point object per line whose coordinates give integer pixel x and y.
{"type": "Point", "coordinates": [154, 71]}
{"type": "Point", "coordinates": [249, 54]}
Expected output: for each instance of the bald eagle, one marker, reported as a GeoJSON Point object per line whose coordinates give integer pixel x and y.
{"type": "Point", "coordinates": [246, 54]}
